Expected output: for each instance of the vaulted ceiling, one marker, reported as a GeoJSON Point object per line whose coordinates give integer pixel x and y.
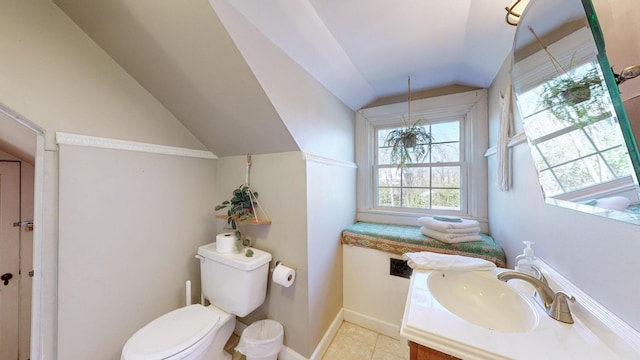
{"type": "Point", "coordinates": [360, 50]}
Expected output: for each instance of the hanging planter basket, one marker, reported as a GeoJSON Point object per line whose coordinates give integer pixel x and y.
{"type": "Point", "coordinates": [410, 139]}
{"type": "Point", "coordinates": [576, 95]}
{"type": "Point", "coordinates": [243, 208]}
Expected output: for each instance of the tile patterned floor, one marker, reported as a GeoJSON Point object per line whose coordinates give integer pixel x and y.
{"type": "Point", "coordinates": [352, 342]}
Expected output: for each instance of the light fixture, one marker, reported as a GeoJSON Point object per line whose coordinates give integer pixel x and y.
{"type": "Point", "coordinates": [514, 11]}
{"type": "Point", "coordinates": [627, 74]}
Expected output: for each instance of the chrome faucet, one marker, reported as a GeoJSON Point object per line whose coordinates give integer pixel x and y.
{"type": "Point", "coordinates": [554, 304]}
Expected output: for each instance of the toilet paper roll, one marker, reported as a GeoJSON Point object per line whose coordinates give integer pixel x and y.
{"type": "Point", "coordinates": [284, 275]}
{"type": "Point", "coordinates": [225, 242]}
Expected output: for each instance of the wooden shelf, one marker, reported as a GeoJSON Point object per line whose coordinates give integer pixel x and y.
{"type": "Point", "coordinates": [252, 222]}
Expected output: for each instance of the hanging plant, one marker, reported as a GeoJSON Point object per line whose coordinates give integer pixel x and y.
{"type": "Point", "coordinates": [572, 96]}
{"type": "Point", "coordinates": [240, 209]}
{"type": "Point", "coordinates": [409, 139]}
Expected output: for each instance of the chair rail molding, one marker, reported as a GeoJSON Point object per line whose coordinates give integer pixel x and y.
{"type": "Point", "coordinates": [107, 143]}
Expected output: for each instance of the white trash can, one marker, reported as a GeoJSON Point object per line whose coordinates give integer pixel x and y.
{"type": "Point", "coordinates": [261, 340]}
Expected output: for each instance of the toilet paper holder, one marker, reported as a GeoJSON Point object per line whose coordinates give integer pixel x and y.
{"type": "Point", "coordinates": [278, 262]}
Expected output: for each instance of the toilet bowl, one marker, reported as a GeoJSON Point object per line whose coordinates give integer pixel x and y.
{"type": "Point", "coordinates": [193, 332]}
{"type": "Point", "coordinates": [233, 283]}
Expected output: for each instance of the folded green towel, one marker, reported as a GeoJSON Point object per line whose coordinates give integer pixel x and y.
{"type": "Point", "coordinates": [447, 219]}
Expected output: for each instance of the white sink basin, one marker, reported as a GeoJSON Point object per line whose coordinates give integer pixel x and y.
{"type": "Point", "coordinates": [481, 299]}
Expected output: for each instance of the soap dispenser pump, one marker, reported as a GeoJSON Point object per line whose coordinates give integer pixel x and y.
{"type": "Point", "coordinates": [527, 262]}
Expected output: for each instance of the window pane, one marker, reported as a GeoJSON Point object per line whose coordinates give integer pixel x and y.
{"type": "Point", "coordinates": [541, 124]}
{"type": "Point", "coordinates": [566, 147]}
{"type": "Point", "coordinates": [549, 185]}
{"type": "Point", "coordinates": [389, 196]}
{"type": "Point", "coordinates": [416, 198]}
{"type": "Point", "coordinates": [446, 132]}
{"type": "Point", "coordinates": [446, 199]}
{"type": "Point", "coordinates": [415, 177]}
{"type": "Point", "coordinates": [382, 135]}
{"type": "Point", "coordinates": [582, 173]}
{"type": "Point", "coordinates": [605, 134]}
{"type": "Point", "coordinates": [389, 177]}
{"type": "Point", "coordinates": [445, 176]}
{"type": "Point", "coordinates": [447, 152]}
{"type": "Point", "coordinates": [618, 160]}
{"type": "Point", "coordinates": [384, 155]}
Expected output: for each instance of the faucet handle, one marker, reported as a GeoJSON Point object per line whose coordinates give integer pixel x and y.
{"type": "Point", "coordinates": [559, 309]}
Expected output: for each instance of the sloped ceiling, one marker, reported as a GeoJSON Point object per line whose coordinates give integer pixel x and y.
{"type": "Point", "coordinates": [365, 50]}
{"type": "Point", "coordinates": [360, 50]}
{"type": "Point", "coordinates": [180, 52]}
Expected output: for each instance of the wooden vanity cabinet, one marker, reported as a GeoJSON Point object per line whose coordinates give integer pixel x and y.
{"type": "Point", "coordinates": [420, 352]}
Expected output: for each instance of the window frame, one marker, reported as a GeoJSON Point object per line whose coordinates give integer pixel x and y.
{"type": "Point", "coordinates": [472, 108]}
{"type": "Point", "coordinates": [533, 69]}
{"type": "Point", "coordinates": [460, 164]}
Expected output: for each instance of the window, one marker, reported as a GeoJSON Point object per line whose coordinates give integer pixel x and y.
{"type": "Point", "coordinates": [433, 183]}
{"type": "Point", "coordinates": [576, 143]}
{"type": "Point", "coordinates": [450, 180]}
{"type": "Point", "coordinates": [573, 156]}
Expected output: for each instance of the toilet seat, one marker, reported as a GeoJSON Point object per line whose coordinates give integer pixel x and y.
{"type": "Point", "coordinates": [171, 333]}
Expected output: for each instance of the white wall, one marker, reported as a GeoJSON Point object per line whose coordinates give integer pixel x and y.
{"type": "Point", "coordinates": [130, 224]}
{"type": "Point", "coordinates": [330, 209]}
{"type": "Point", "coordinates": [309, 202]}
{"type": "Point", "coordinates": [373, 298]}
{"type": "Point", "coordinates": [596, 254]}
{"type": "Point", "coordinates": [280, 182]}
{"type": "Point", "coordinates": [54, 76]}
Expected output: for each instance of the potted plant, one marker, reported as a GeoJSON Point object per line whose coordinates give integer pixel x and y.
{"type": "Point", "coordinates": [573, 97]}
{"type": "Point", "coordinates": [411, 138]}
{"type": "Point", "coordinates": [240, 209]}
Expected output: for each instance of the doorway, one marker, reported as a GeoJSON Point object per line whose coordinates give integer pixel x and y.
{"type": "Point", "coordinates": [21, 184]}
{"type": "Point", "coordinates": [10, 281]}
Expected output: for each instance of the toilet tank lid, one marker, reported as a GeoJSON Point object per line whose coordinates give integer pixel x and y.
{"type": "Point", "coordinates": [170, 333]}
{"type": "Point", "coordinates": [236, 260]}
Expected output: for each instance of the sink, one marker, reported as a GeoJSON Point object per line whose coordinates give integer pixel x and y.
{"type": "Point", "coordinates": [481, 299]}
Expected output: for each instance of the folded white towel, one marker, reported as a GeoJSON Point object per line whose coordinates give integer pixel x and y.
{"type": "Point", "coordinates": [433, 261]}
{"type": "Point", "coordinates": [466, 231]}
{"type": "Point", "coordinates": [449, 238]}
{"type": "Point", "coordinates": [445, 226]}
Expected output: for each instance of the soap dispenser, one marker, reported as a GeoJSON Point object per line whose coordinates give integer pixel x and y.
{"type": "Point", "coordinates": [527, 262]}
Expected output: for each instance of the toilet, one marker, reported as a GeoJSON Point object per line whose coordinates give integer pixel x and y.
{"type": "Point", "coordinates": [234, 285]}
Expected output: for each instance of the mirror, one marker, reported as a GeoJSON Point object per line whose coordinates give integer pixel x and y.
{"type": "Point", "coordinates": [572, 112]}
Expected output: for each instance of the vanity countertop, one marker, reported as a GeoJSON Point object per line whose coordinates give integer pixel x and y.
{"type": "Point", "coordinates": [428, 323]}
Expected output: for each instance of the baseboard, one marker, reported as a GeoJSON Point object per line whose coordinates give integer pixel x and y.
{"type": "Point", "coordinates": [288, 354]}
{"type": "Point", "coordinates": [366, 321]}
{"type": "Point", "coordinates": [322, 347]}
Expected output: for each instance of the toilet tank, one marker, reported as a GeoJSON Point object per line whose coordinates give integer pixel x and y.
{"type": "Point", "coordinates": [234, 282]}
